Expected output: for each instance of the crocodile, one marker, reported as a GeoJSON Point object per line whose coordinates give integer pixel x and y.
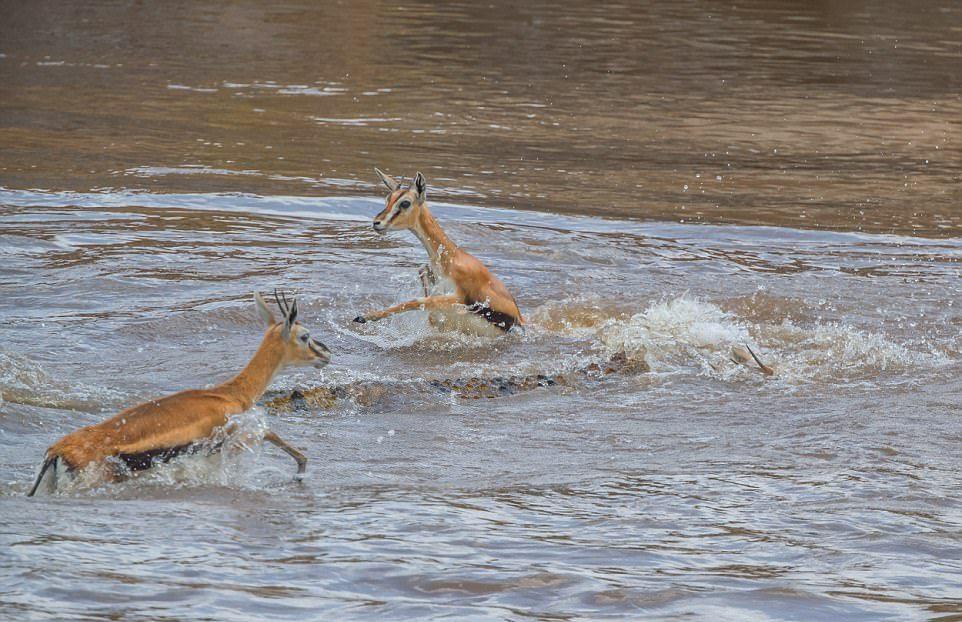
{"type": "Point", "coordinates": [366, 393]}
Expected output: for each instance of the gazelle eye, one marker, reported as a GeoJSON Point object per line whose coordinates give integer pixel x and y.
{"type": "Point", "coordinates": [405, 204]}
{"type": "Point", "coordinates": [305, 337]}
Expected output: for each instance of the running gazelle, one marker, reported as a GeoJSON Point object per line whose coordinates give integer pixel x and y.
{"type": "Point", "coordinates": [186, 422]}
{"type": "Point", "coordinates": [459, 291]}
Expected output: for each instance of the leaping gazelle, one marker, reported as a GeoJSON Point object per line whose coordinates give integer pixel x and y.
{"type": "Point", "coordinates": [459, 291]}
{"type": "Point", "coordinates": [185, 422]}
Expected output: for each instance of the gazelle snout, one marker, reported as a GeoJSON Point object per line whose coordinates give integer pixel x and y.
{"type": "Point", "coordinates": [296, 342]}
{"type": "Point", "coordinates": [379, 226]}
{"type": "Point", "coordinates": [321, 353]}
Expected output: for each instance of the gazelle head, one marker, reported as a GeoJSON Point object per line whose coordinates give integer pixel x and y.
{"type": "Point", "coordinates": [403, 204]}
{"type": "Point", "coordinates": [299, 347]}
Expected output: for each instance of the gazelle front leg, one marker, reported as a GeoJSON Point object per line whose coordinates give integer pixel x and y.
{"type": "Point", "coordinates": [428, 278]}
{"type": "Point", "coordinates": [247, 438]}
{"type": "Point", "coordinates": [429, 303]}
{"type": "Point", "coordinates": [301, 459]}
{"type": "Point", "coordinates": [429, 281]}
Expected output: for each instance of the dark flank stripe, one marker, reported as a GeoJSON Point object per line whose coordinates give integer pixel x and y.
{"type": "Point", "coordinates": [146, 459]}
{"type": "Point", "coordinates": [503, 321]}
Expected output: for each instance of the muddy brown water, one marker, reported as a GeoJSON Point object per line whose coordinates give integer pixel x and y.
{"type": "Point", "coordinates": [666, 180]}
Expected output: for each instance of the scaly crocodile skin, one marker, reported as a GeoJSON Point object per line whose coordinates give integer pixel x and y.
{"type": "Point", "coordinates": [366, 393]}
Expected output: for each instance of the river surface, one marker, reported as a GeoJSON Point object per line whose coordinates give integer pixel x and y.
{"type": "Point", "coordinates": [665, 181]}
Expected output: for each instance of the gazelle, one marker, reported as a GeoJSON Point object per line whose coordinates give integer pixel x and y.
{"type": "Point", "coordinates": [186, 422]}
{"type": "Point", "coordinates": [459, 291]}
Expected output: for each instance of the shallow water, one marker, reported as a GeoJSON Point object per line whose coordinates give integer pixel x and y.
{"type": "Point", "coordinates": [828, 490]}
{"type": "Point", "coordinates": [140, 206]}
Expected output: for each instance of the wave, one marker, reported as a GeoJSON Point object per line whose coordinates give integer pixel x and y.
{"type": "Point", "coordinates": [23, 381]}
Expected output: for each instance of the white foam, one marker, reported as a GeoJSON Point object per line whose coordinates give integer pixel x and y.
{"type": "Point", "coordinates": [838, 352]}
{"type": "Point", "coordinates": [683, 332]}
{"type": "Point", "coordinates": [672, 331]}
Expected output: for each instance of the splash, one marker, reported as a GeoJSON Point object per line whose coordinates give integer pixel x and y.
{"type": "Point", "coordinates": [834, 352]}
{"type": "Point", "coordinates": [671, 336]}
{"type": "Point", "coordinates": [581, 315]}
{"type": "Point", "coordinates": [414, 330]}
{"type": "Point", "coordinates": [676, 332]}
{"type": "Point", "coordinates": [683, 332]}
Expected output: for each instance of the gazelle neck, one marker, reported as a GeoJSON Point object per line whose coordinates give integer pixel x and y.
{"type": "Point", "coordinates": [253, 380]}
{"type": "Point", "coordinates": [439, 246]}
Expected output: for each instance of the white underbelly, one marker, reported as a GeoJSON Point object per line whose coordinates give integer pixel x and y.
{"type": "Point", "coordinates": [458, 319]}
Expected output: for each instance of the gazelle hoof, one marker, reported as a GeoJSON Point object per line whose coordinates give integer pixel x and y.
{"type": "Point", "coordinates": [360, 319]}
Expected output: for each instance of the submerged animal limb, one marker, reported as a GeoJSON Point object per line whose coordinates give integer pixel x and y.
{"type": "Point", "coordinates": [744, 355]}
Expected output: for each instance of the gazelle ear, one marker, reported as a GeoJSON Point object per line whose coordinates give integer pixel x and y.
{"type": "Point", "coordinates": [263, 310]}
{"type": "Point", "coordinates": [387, 180]}
{"type": "Point", "coordinates": [420, 186]}
{"type": "Point", "coordinates": [289, 321]}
